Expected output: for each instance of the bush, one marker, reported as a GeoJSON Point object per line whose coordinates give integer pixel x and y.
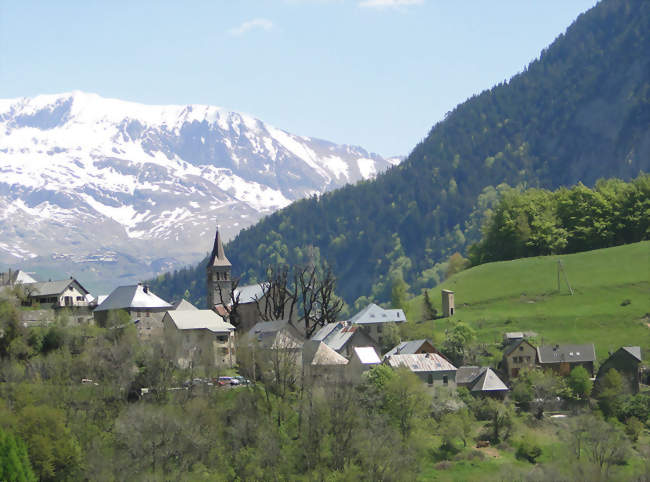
{"type": "Point", "coordinates": [528, 450]}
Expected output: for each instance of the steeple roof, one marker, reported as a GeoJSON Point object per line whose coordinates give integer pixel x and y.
{"type": "Point", "coordinates": [218, 257]}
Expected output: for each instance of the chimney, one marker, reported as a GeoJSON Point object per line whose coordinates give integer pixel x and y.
{"type": "Point", "coordinates": [145, 288]}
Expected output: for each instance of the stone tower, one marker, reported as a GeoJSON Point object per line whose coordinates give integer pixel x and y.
{"type": "Point", "coordinates": [448, 306]}
{"type": "Point", "coordinates": [219, 282]}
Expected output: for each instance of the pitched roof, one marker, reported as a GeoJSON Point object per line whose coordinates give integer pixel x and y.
{"type": "Point", "coordinates": [375, 314]}
{"type": "Point", "coordinates": [184, 305]}
{"type": "Point", "coordinates": [513, 345]}
{"type": "Point", "coordinates": [218, 256]}
{"type": "Point", "coordinates": [336, 335]}
{"type": "Point", "coordinates": [465, 375]}
{"type": "Point", "coordinates": [15, 277]}
{"type": "Point", "coordinates": [318, 353]}
{"type": "Point", "coordinates": [635, 351]}
{"type": "Point", "coordinates": [133, 296]}
{"type": "Point", "coordinates": [276, 334]}
{"type": "Point", "coordinates": [488, 381]}
{"type": "Point", "coordinates": [407, 347]}
{"type": "Point", "coordinates": [566, 353]}
{"type": "Point", "coordinates": [367, 355]}
{"type": "Point", "coordinates": [250, 293]}
{"type": "Point", "coordinates": [199, 320]}
{"type": "Point", "coordinates": [421, 362]}
{"type": "Point", "coordinates": [50, 288]}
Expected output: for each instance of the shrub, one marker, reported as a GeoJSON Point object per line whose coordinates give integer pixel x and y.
{"type": "Point", "coordinates": [528, 450]}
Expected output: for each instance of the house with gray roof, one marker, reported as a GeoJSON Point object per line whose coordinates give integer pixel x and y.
{"type": "Point", "coordinates": [67, 293]}
{"type": "Point", "coordinates": [143, 306]}
{"type": "Point", "coordinates": [626, 361]}
{"type": "Point", "coordinates": [481, 381]}
{"type": "Point", "coordinates": [412, 347]}
{"type": "Point", "coordinates": [199, 337]}
{"type": "Point", "coordinates": [564, 358]}
{"type": "Point", "coordinates": [519, 355]}
{"type": "Point", "coordinates": [374, 318]}
{"type": "Point", "coordinates": [433, 368]}
{"type": "Point", "coordinates": [342, 337]}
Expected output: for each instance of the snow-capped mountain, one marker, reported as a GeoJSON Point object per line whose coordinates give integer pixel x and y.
{"type": "Point", "coordinates": [87, 183]}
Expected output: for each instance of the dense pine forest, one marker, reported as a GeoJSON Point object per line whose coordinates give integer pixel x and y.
{"type": "Point", "coordinates": [579, 113]}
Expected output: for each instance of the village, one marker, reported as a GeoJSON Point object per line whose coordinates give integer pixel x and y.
{"type": "Point", "coordinates": [246, 326]}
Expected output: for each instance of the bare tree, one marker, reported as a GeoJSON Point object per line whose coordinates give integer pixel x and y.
{"type": "Point", "coordinates": [307, 288]}
{"type": "Point", "coordinates": [281, 297]}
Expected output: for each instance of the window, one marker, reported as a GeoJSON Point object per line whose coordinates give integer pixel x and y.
{"type": "Point", "coordinates": [445, 380]}
{"type": "Point", "coordinates": [148, 314]}
{"type": "Point", "coordinates": [430, 379]}
{"type": "Point", "coordinates": [80, 298]}
{"type": "Point", "coordinates": [521, 348]}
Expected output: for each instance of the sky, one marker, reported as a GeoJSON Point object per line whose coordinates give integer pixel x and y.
{"type": "Point", "coordinates": [374, 73]}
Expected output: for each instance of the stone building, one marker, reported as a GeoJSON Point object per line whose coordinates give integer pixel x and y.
{"type": "Point", "coordinates": [517, 356]}
{"type": "Point", "coordinates": [627, 361]}
{"type": "Point", "coordinates": [145, 308]}
{"type": "Point", "coordinates": [432, 368]}
{"type": "Point", "coordinates": [448, 306]}
{"type": "Point", "coordinates": [199, 337]}
{"type": "Point", "coordinates": [218, 282]}
{"type": "Point", "coordinates": [373, 318]}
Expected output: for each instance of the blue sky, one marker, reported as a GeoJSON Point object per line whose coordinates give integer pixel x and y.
{"type": "Point", "coordinates": [376, 73]}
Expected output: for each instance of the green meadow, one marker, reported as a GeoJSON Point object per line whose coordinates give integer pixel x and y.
{"type": "Point", "coordinates": [610, 305]}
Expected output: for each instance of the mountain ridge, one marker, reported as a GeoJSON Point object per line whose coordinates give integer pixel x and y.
{"type": "Point", "coordinates": [147, 183]}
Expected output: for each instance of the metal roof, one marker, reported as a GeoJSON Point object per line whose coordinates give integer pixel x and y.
{"type": "Point", "coordinates": [372, 314]}
{"type": "Point", "coordinates": [367, 355]}
{"type": "Point", "coordinates": [199, 320]}
{"type": "Point", "coordinates": [566, 353]}
{"type": "Point", "coordinates": [133, 296]}
{"type": "Point", "coordinates": [250, 293]}
{"type": "Point", "coordinates": [465, 375]}
{"type": "Point", "coordinates": [407, 347]}
{"type": "Point", "coordinates": [635, 351]}
{"type": "Point", "coordinates": [49, 288]}
{"type": "Point", "coordinates": [488, 381]}
{"type": "Point", "coordinates": [335, 335]}
{"type": "Point", "coordinates": [421, 362]}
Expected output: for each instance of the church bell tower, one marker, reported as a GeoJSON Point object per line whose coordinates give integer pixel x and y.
{"type": "Point", "coordinates": [219, 282]}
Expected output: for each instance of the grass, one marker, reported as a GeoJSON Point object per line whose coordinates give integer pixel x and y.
{"type": "Point", "coordinates": [610, 306]}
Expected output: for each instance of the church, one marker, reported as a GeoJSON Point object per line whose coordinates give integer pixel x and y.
{"type": "Point", "coordinates": [236, 303]}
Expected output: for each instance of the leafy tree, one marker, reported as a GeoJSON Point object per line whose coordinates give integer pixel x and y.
{"type": "Point", "coordinates": [610, 397]}
{"type": "Point", "coordinates": [457, 341]}
{"type": "Point", "coordinates": [54, 452]}
{"type": "Point", "coordinates": [14, 461]}
{"type": "Point", "coordinates": [456, 425]}
{"type": "Point", "coordinates": [580, 382]}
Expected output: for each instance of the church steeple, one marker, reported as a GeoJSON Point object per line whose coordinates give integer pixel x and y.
{"type": "Point", "coordinates": [219, 283]}
{"type": "Point", "coordinates": [218, 257]}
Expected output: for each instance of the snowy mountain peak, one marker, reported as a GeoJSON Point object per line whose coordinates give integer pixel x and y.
{"type": "Point", "coordinates": [82, 173]}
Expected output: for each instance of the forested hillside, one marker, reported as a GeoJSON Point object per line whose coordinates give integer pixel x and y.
{"type": "Point", "coordinates": [579, 113]}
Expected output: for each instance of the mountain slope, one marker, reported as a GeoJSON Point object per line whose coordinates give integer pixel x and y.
{"type": "Point", "coordinates": [578, 113]}
{"type": "Point", "coordinates": [609, 305]}
{"type": "Point", "coordinates": [88, 180]}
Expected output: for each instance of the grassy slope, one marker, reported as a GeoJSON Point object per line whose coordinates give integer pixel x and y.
{"type": "Point", "coordinates": [522, 295]}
